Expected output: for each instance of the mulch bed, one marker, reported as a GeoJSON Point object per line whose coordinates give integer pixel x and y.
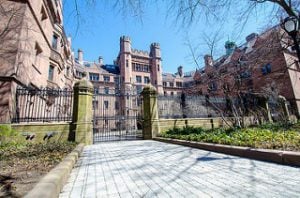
{"type": "Point", "coordinates": [21, 167]}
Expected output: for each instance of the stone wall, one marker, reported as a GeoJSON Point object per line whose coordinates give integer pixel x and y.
{"type": "Point", "coordinates": [206, 123]}
{"type": "Point", "coordinates": [41, 132]}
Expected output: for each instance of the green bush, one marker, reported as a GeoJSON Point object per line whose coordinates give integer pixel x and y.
{"type": "Point", "coordinates": [7, 134]}
{"type": "Point", "coordinates": [268, 136]}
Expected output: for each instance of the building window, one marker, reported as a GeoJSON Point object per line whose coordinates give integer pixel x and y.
{"type": "Point", "coordinates": [165, 93]}
{"type": "Point", "coordinates": [116, 105]}
{"type": "Point", "coordinates": [178, 84]}
{"type": "Point", "coordinates": [106, 90]}
{"type": "Point", "coordinates": [146, 68]}
{"type": "Point", "coordinates": [68, 71]}
{"type": "Point", "coordinates": [116, 80]}
{"type": "Point", "coordinates": [171, 84]}
{"type": "Point", "coordinates": [138, 67]}
{"type": "Point", "coordinates": [245, 74]}
{"type": "Point", "coordinates": [212, 86]}
{"type": "Point", "coordinates": [158, 69]}
{"type": "Point", "coordinates": [146, 80]}
{"type": "Point", "coordinates": [54, 41]}
{"type": "Point", "coordinates": [127, 63]}
{"type": "Point", "coordinates": [164, 84]}
{"type": "Point", "coordinates": [172, 93]}
{"type": "Point", "coordinates": [51, 73]}
{"type": "Point", "coordinates": [139, 89]}
{"type": "Point", "coordinates": [96, 91]}
{"type": "Point", "coordinates": [106, 104]}
{"type": "Point", "coordinates": [266, 69]}
{"type": "Point", "coordinates": [106, 78]}
{"type": "Point", "coordinates": [138, 79]}
{"type": "Point", "coordinates": [95, 104]}
{"type": "Point", "coordinates": [94, 77]}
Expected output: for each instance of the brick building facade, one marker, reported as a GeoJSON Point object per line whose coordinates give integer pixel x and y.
{"type": "Point", "coordinates": [34, 51]}
{"type": "Point", "coordinates": [264, 66]}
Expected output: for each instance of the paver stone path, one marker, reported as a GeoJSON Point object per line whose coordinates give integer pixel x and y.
{"type": "Point", "coordinates": [155, 169]}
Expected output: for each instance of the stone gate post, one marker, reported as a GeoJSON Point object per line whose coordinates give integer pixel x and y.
{"type": "Point", "coordinates": [151, 122]}
{"type": "Point", "coordinates": [82, 125]}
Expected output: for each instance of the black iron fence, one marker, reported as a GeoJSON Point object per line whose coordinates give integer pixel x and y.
{"type": "Point", "coordinates": [117, 114]}
{"type": "Point", "coordinates": [43, 105]}
{"type": "Point", "coordinates": [190, 106]}
{"type": "Point", "coordinates": [199, 106]}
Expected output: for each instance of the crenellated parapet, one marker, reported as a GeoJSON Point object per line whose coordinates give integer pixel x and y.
{"type": "Point", "coordinates": [155, 50]}
{"type": "Point", "coordinates": [140, 52]}
{"type": "Point", "coordinates": [155, 45]}
{"type": "Point", "coordinates": [125, 39]}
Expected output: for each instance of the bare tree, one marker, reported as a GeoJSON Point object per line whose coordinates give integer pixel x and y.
{"type": "Point", "coordinates": [208, 45]}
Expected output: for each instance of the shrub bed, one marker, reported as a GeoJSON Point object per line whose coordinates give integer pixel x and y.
{"type": "Point", "coordinates": [269, 136]}
{"type": "Point", "coordinates": [23, 165]}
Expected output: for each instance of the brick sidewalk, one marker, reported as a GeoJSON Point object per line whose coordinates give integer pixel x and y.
{"type": "Point", "coordinates": [155, 169]}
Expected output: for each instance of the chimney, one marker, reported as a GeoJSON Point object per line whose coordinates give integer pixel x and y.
{"type": "Point", "coordinates": [100, 60]}
{"type": "Point", "coordinates": [69, 41]}
{"type": "Point", "coordinates": [80, 56]}
{"type": "Point", "coordinates": [251, 37]}
{"type": "Point", "coordinates": [180, 71]}
{"type": "Point", "coordinates": [208, 60]}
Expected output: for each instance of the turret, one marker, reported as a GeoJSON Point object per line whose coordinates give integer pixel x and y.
{"type": "Point", "coordinates": [80, 56]}
{"type": "Point", "coordinates": [125, 44]}
{"type": "Point", "coordinates": [180, 71]}
{"type": "Point", "coordinates": [125, 63]}
{"type": "Point", "coordinates": [155, 50]}
{"type": "Point", "coordinates": [100, 60]}
{"type": "Point", "coordinates": [156, 70]}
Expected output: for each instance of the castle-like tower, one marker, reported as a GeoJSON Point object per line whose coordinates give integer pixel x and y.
{"type": "Point", "coordinates": [139, 68]}
{"type": "Point", "coordinates": [156, 68]}
{"type": "Point", "coordinates": [125, 63]}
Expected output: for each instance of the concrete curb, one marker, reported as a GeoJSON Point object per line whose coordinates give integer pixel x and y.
{"type": "Point", "coordinates": [276, 156]}
{"type": "Point", "coordinates": [51, 184]}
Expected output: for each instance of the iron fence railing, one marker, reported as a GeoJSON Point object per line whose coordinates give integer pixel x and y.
{"type": "Point", "coordinates": [189, 106]}
{"type": "Point", "coordinates": [43, 105]}
{"type": "Point", "coordinates": [199, 106]}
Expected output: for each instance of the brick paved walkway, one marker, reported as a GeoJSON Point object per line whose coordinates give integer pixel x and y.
{"type": "Point", "coordinates": [155, 169]}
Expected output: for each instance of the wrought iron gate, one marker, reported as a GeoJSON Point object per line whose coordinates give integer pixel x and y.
{"type": "Point", "coordinates": [117, 115]}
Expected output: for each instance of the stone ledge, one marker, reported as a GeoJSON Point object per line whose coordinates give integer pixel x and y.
{"type": "Point", "coordinates": [276, 156]}
{"type": "Point", "coordinates": [51, 184]}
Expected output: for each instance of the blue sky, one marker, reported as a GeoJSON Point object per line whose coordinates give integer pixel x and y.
{"type": "Point", "coordinates": [100, 27]}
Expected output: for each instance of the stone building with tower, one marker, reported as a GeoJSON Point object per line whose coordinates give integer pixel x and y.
{"type": "Point", "coordinates": [139, 68]}
{"type": "Point", "coordinates": [132, 70]}
{"type": "Point", "coordinates": [34, 51]}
